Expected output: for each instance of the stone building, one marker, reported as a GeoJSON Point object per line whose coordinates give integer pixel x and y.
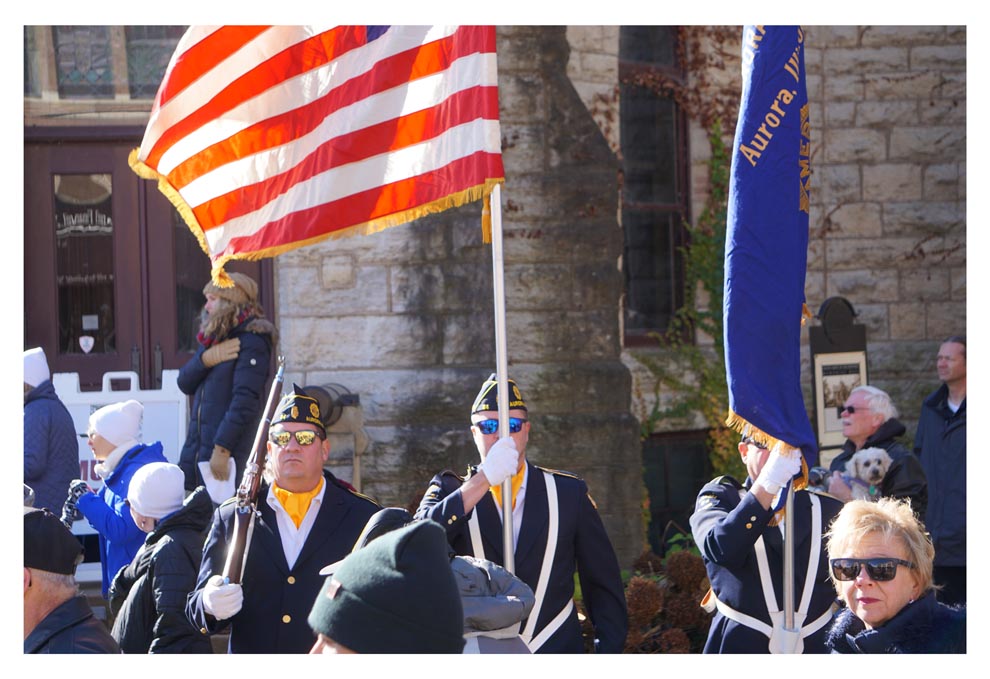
{"type": "Point", "coordinates": [403, 318]}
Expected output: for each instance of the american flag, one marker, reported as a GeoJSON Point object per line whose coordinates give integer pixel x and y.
{"type": "Point", "coordinates": [269, 138]}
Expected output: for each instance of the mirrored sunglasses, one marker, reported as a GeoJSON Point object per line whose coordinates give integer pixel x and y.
{"type": "Point", "coordinates": [491, 426]}
{"type": "Point", "coordinates": [880, 569]}
{"type": "Point", "coordinates": [303, 438]}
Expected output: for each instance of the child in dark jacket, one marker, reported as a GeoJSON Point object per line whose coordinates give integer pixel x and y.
{"type": "Point", "coordinates": [148, 597]}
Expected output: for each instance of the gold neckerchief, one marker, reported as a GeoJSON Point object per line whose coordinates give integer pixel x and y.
{"type": "Point", "coordinates": [296, 504]}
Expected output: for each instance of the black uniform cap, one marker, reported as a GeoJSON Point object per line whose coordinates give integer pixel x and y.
{"type": "Point", "coordinates": [487, 398]}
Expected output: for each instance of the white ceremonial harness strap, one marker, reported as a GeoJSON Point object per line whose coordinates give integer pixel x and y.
{"type": "Point", "coordinates": [776, 633]}
{"type": "Point", "coordinates": [553, 527]}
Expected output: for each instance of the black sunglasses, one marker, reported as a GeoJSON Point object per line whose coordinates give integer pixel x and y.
{"type": "Point", "coordinates": [880, 569]}
{"type": "Point", "coordinates": [491, 426]}
{"type": "Point", "coordinates": [304, 437]}
{"type": "Point", "coordinates": [849, 409]}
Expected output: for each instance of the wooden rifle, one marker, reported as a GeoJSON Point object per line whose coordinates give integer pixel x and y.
{"type": "Point", "coordinates": [247, 493]}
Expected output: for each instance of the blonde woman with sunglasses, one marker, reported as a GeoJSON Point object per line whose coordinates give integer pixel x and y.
{"type": "Point", "coordinates": [880, 561]}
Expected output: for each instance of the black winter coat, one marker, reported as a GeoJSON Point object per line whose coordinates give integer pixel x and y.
{"type": "Point", "coordinates": [940, 444]}
{"type": "Point", "coordinates": [905, 478]}
{"type": "Point", "coordinates": [925, 626]}
{"type": "Point", "coordinates": [71, 628]}
{"type": "Point", "coordinates": [149, 595]}
{"type": "Point", "coordinates": [228, 399]}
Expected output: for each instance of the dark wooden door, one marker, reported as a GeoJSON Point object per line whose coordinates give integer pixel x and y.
{"type": "Point", "coordinates": [112, 276]}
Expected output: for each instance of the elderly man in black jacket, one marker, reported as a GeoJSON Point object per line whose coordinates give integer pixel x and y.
{"type": "Point", "coordinates": [869, 420]}
{"type": "Point", "coordinates": [57, 618]}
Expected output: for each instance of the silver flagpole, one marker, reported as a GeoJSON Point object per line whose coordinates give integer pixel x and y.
{"type": "Point", "coordinates": [789, 558]}
{"type": "Point", "coordinates": [502, 370]}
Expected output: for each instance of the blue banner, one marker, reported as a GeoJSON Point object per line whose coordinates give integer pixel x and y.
{"type": "Point", "coordinates": [766, 243]}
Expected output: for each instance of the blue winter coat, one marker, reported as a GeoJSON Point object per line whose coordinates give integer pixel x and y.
{"type": "Point", "coordinates": [120, 538]}
{"type": "Point", "coordinates": [227, 400]}
{"type": "Point", "coordinates": [51, 447]}
{"type": "Point", "coordinates": [940, 444]}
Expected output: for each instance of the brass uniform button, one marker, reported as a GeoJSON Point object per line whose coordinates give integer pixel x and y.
{"type": "Point", "coordinates": [752, 518]}
{"type": "Point", "coordinates": [286, 618]}
{"type": "Point", "coordinates": [749, 525]}
{"type": "Point", "coordinates": [203, 630]}
{"type": "Point", "coordinates": [452, 519]}
{"type": "Point", "coordinates": [291, 580]}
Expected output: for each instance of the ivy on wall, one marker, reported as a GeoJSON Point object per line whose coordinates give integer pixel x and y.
{"type": "Point", "coordinates": [695, 374]}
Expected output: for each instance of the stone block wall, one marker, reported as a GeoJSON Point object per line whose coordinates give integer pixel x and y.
{"type": "Point", "coordinates": [404, 318]}
{"type": "Point", "coordinates": [888, 217]}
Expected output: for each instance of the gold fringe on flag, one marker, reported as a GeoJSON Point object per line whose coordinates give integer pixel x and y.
{"type": "Point", "coordinates": [744, 428]}
{"type": "Point", "coordinates": [486, 210]}
{"type": "Point", "coordinates": [219, 275]}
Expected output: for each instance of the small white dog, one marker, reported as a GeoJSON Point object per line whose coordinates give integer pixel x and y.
{"type": "Point", "coordinates": [865, 470]}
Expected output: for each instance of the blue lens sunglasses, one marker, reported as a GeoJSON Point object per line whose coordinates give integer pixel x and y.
{"type": "Point", "coordinates": [488, 427]}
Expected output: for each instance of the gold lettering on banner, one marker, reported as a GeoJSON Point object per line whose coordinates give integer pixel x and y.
{"type": "Point", "coordinates": [751, 43]}
{"type": "Point", "coordinates": [761, 139]}
{"type": "Point", "coordinates": [804, 162]}
{"type": "Point", "coordinates": [753, 150]}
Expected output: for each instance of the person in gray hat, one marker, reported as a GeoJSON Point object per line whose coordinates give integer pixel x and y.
{"type": "Point", "coordinates": [57, 618]}
{"type": "Point", "coordinates": [397, 595]}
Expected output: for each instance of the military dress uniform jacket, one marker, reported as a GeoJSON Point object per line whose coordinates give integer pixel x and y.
{"type": "Point", "coordinates": [726, 527]}
{"type": "Point", "coordinates": [277, 599]}
{"type": "Point", "coordinates": [581, 542]}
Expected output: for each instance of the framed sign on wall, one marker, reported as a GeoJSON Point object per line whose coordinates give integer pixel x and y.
{"type": "Point", "coordinates": [836, 374]}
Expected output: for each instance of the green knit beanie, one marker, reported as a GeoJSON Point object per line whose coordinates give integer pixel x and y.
{"type": "Point", "coordinates": [396, 595]}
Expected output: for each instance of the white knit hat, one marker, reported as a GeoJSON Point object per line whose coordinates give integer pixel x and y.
{"type": "Point", "coordinates": [157, 489]}
{"type": "Point", "coordinates": [118, 423]}
{"type": "Point", "coordinates": [35, 367]}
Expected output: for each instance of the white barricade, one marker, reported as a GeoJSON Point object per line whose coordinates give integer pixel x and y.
{"type": "Point", "coordinates": [166, 416]}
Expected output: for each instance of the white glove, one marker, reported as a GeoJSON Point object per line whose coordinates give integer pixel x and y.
{"type": "Point", "coordinates": [220, 600]}
{"type": "Point", "coordinates": [501, 462]}
{"type": "Point", "coordinates": [778, 470]}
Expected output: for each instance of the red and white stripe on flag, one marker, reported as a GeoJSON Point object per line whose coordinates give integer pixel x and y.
{"type": "Point", "coordinates": [269, 138]}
